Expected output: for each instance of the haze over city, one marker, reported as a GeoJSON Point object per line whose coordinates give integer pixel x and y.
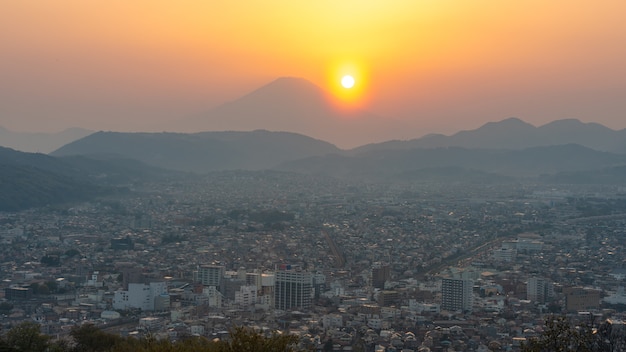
{"type": "Point", "coordinates": [429, 66]}
{"type": "Point", "coordinates": [322, 175]}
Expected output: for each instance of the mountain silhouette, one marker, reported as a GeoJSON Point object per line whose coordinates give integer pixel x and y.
{"type": "Point", "coordinates": [40, 142]}
{"type": "Point", "coordinates": [516, 134]}
{"type": "Point", "coordinates": [201, 152]}
{"type": "Point", "coordinates": [389, 164]}
{"type": "Point", "coordinates": [295, 105]}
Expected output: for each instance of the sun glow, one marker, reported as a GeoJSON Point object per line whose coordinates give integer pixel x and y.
{"type": "Point", "coordinates": [347, 81]}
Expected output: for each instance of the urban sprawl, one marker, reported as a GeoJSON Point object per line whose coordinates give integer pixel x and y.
{"type": "Point", "coordinates": [343, 265]}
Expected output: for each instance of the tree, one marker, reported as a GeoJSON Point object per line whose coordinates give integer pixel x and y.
{"type": "Point", "coordinates": [561, 335]}
{"type": "Point", "coordinates": [72, 253]}
{"type": "Point", "coordinates": [5, 307]}
{"type": "Point", "coordinates": [247, 340]}
{"type": "Point", "coordinates": [27, 337]}
{"type": "Point", "coordinates": [88, 338]}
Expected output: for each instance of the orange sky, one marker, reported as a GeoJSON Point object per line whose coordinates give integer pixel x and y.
{"type": "Point", "coordinates": [440, 65]}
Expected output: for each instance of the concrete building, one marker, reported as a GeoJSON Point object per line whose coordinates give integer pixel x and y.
{"type": "Point", "coordinates": [388, 297]}
{"type": "Point", "coordinates": [17, 293]}
{"type": "Point", "coordinates": [246, 296]}
{"type": "Point", "coordinates": [457, 294]}
{"type": "Point", "coordinates": [293, 288]}
{"type": "Point", "coordinates": [380, 274]}
{"type": "Point", "coordinates": [505, 254]}
{"type": "Point", "coordinates": [539, 290]}
{"type": "Point", "coordinates": [581, 299]}
{"type": "Point", "coordinates": [141, 296]}
{"type": "Point", "coordinates": [211, 275]}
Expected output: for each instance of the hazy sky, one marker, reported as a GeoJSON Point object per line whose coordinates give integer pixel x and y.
{"type": "Point", "coordinates": [441, 65]}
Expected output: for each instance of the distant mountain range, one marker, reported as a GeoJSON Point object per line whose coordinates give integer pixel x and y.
{"type": "Point", "coordinates": [40, 142]}
{"type": "Point", "coordinates": [296, 105]}
{"type": "Point", "coordinates": [388, 164]}
{"type": "Point", "coordinates": [494, 151]}
{"type": "Point", "coordinates": [514, 133]}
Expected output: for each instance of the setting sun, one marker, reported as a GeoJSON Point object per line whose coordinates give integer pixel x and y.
{"type": "Point", "coordinates": [347, 81]}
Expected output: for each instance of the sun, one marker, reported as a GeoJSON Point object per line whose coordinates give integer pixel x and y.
{"type": "Point", "coordinates": [347, 81]}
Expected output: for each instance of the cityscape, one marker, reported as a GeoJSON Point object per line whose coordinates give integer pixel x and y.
{"type": "Point", "coordinates": [312, 176]}
{"type": "Point", "coordinates": [343, 265]}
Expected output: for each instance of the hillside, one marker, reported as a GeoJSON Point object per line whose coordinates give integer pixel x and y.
{"type": "Point", "coordinates": [202, 152]}
{"type": "Point", "coordinates": [455, 162]}
{"type": "Point", "coordinates": [33, 180]}
{"type": "Point", "coordinates": [516, 134]}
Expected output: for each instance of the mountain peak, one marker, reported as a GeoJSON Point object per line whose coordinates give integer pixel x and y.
{"type": "Point", "coordinates": [293, 104]}
{"type": "Point", "coordinates": [511, 122]}
{"type": "Point", "coordinates": [284, 89]}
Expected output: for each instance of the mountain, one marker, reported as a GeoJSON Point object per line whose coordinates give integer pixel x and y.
{"type": "Point", "coordinates": [32, 180]}
{"type": "Point", "coordinates": [299, 106]}
{"type": "Point", "coordinates": [201, 152]}
{"type": "Point", "coordinates": [40, 142]}
{"type": "Point", "coordinates": [516, 134]}
{"type": "Point", "coordinates": [388, 164]}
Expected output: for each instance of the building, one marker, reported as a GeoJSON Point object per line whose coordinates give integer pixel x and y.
{"type": "Point", "coordinates": [122, 243]}
{"type": "Point", "coordinates": [381, 273]}
{"type": "Point", "coordinates": [246, 296]}
{"type": "Point", "coordinates": [388, 297]}
{"type": "Point", "coordinates": [211, 275]}
{"type": "Point", "coordinates": [505, 254]}
{"type": "Point", "coordinates": [457, 294]}
{"type": "Point", "coordinates": [581, 299]}
{"type": "Point", "coordinates": [539, 290]}
{"type": "Point", "coordinates": [293, 288]}
{"type": "Point", "coordinates": [142, 296]}
{"type": "Point", "coordinates": [18, 293]}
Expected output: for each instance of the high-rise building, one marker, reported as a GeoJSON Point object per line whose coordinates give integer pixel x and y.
{"type": "Point", "coordinates": [293, 288]}
{"type": "Point", "coordinates": [457, 294]}
{"type": "Point", "coordinates": [380, 274]}
{"type": "Point", "coordinates": [539, 290]}
{"type": "Point", "coordinates": [131, 275]}
{"type": "Point", "coordinates": [211, 275]}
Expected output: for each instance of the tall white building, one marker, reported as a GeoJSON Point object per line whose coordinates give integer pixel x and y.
{"type": "Point", "coordinates": [211, 275]}
{"type": "Point", "coordinates": [246, 296]}
{"type": "Point", "coordinates": [457, 294]}
{"type": "Point", "coordinates": [140, 296]}
{"type": "Point", "coordinates": [539, 289]}
{"type": "Point", "coordinates": [293, 288]}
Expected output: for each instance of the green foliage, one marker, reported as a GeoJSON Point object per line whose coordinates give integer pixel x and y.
{"type": "Point", "coordinates": [246, 340]}
{"type": "Point", "coordinates": [561, 335]}
{"type": "Point", "coordinates": [70, 253]}
{"type": "Point", "coordinates": [27, 337]}
{"type": "Point", "coordinates": [51, 260]}
{"type": "Point", "coordinates": [150, 344]}
{"type": "Point", "coordinates": [88, 338]}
